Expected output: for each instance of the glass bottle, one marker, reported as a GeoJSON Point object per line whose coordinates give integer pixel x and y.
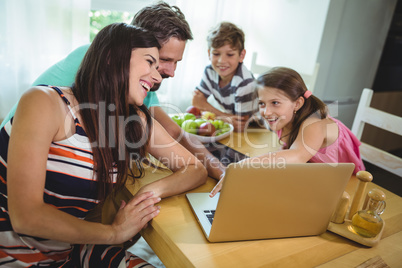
{"type": "Point", "coordinates": [367, 222]}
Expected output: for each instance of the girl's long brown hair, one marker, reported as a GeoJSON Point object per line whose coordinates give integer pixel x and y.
{"type": "Point", "coordinates": [292, 84]}
{"type": "Point", "coordinates": [101, 87]}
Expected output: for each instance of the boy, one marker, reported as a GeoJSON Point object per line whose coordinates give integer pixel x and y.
{"type": "Point", "coordinates": [227, 79]}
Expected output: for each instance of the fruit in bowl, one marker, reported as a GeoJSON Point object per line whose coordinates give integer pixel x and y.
{"type": "Point", "coordinates": [200, 121]}
{"type": "Point", "coordinates": [193, 110]}
{"type": "Point", "coordinates": [190, 126]}
{"type": "Point", "coordinates": [178, 119]}
{"type": "Point", "coordinates": [216, 136]}
{"type": "Point", "coordinates": [206, 129]}
{"type": "Point", "coordinates": [226, 127]}
{"type": "Point", "coordinates": [189, 116]}
{"type": "Point", "coordinates": [218, 124]}
{"type": "Point", "coordinates": [208, 115]}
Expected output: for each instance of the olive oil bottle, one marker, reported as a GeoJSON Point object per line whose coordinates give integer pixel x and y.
{"type": "Point", "coordinates": [368, 222]}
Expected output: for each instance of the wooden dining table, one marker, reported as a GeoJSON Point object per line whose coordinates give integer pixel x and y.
{"type": "Point", "coordinates": [178, 240]}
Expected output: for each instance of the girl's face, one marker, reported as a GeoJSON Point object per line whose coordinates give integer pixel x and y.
{"type": "Point", "coordinates": [277, 108]}
{"type": "Point", "coordinates": [144, 73]}
{"type": "Point", "coordinates": [224, 60]}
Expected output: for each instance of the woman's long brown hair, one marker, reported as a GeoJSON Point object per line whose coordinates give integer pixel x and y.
{"type": "Point", "coordinates": [292, 84]}
{"type": "Point", "coordinates": [113, 126]}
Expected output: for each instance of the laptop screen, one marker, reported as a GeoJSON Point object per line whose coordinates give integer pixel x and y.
{"type": "Point", "coordinates": [224, 153]}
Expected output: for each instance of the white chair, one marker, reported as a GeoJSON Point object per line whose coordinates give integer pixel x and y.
{"type": "Point", "coordinates": [380, 119]}
{"type": "Point", "coordinates": [309, 79]}
{"type": "Point", "coordinates": [257, 69]}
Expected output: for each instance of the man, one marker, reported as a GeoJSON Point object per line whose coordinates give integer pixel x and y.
{"type": "Point", "coordinates": [172, 30]}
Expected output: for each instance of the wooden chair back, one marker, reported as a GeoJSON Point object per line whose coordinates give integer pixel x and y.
{"type": "Point", "coordinates": [389, 122]}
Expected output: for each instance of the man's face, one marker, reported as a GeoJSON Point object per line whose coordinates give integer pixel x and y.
{"type": "Point", "coordinates": [169, 55]}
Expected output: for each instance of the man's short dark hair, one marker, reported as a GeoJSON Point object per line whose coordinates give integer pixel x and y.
{"type": "Point", "coordinates": [164, 21]}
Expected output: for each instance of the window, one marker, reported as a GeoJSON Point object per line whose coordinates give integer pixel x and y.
{"type": "Point", "coordinates": [101, 18]}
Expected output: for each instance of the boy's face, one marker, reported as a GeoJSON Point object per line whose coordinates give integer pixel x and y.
{"type": "Point", "coordinates": [225, 59]}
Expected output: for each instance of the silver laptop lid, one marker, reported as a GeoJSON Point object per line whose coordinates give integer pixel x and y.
{"type": "Point", "coordinates": [259, 202]}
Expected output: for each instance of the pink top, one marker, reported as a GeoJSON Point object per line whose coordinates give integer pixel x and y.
{"type": "Point", "coordinates": [344, 150]}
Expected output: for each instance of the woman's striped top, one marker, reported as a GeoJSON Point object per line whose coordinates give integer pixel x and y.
{"type": "Point", "coordinates": [70, 187]}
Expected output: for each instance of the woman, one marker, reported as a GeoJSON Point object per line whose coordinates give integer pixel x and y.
{"type": "Point", "coordinates": [60, 136]}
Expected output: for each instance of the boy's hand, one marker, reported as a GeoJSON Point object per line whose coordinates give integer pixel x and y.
{"type": "Point", "coordinates": [199, 99]}
{"type": "Point", "coordinates": [239, 122]}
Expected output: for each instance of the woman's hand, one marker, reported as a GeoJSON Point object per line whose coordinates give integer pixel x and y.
{"type": "Point", "coordinates": [134, 215]}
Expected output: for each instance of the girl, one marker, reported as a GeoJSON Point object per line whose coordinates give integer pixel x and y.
{"type": "Point", "coordinates": [69, 147]}
{"type": "Point", "coordinates": [302, 123]}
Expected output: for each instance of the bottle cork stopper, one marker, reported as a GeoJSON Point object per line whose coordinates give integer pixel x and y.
{"type": "Point", "coordinates": [376, 194]}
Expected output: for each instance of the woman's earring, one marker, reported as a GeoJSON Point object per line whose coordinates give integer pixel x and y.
{"type": "Point", "coordinates": [295, 111]}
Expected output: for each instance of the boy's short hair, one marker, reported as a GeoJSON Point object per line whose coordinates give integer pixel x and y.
{"type": "Point", "coordinates": [226, 33]}
{"type": "Point", "coordinates": [164, 21]}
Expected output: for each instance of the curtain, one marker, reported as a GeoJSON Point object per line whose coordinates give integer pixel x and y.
{"type": "Point", "coordinates": [33, 36]}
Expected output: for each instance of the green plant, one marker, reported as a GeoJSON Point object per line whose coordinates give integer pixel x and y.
{"type": "Point", "coordinates": [101, 18]}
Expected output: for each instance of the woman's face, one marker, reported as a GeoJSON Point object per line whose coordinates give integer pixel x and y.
{"type": "Point", "coordinates": [144, 73]}
{"type": "Point", "coordinates": [276, 107]}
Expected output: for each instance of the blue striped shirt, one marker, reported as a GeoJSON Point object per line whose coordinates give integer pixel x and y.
{"type": "Point", "coordinates": [238, 97]}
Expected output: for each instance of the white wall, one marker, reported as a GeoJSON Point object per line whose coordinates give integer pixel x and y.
{"type": "Point", "coordinates": [350, 51]}
{"type": "Point", "coordinates": [285, 33]}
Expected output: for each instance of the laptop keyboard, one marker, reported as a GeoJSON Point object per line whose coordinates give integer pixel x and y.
{"type": "Point", "coordinates": [210, 215]}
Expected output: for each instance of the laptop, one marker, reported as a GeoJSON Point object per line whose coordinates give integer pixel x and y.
{"type": "Point", "coordinates": [258, 201]}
